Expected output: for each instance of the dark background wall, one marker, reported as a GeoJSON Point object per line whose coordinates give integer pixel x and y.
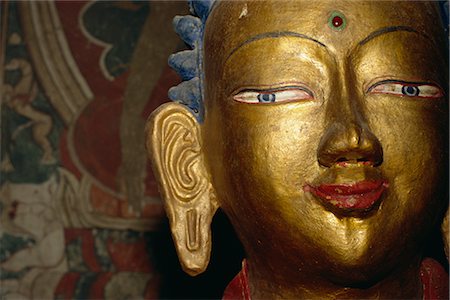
{"type": "Point", "coordinates": [81, 217]}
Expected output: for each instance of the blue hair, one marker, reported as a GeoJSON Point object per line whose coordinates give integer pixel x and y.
{"type": "Point", "coordinates": [189, 63]}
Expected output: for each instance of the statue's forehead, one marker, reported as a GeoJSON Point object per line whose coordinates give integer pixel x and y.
{"type": "Point", "coordinates": [233, 23]}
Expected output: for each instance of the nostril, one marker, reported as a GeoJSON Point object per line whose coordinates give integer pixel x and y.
{"type": "Point", "coordinates": [363, 160]}
{"type": "Point", "coordinates": [373, 161]}
{"type": "Point", "coordinates": [342, 159]}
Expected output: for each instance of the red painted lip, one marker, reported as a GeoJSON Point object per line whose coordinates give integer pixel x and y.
{"type": "Point", "coordinates": [361, 195]}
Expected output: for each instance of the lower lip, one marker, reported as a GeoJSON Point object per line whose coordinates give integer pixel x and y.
{"type": "Point", "coordinates": [357, 196]}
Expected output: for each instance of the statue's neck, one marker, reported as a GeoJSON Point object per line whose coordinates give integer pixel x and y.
{"type": "Point", "coordinates": [404, 284]}
{"type": "Point", "coordinates": [256, 283]}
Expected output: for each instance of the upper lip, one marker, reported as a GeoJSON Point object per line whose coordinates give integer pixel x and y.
{"type": "Point", "coordinates": [357, 196]}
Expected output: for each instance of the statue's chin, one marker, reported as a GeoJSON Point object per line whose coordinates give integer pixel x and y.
{"type": "Point", "coordinates": [362, 275]}
{"type": "Point", "coordinates": [360, 258]}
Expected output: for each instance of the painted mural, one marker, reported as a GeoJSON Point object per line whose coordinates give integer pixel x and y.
{"type": "Point", "coordinates": [79, 209]}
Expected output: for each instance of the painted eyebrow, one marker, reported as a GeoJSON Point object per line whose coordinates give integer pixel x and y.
{"type": "Point", "coordinates": [275, 34]}
{"type": "Point", "coordinates": [385, 30]}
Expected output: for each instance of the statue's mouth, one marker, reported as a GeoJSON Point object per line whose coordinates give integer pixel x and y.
{"type": "Point", "coordinates": [359, 196]}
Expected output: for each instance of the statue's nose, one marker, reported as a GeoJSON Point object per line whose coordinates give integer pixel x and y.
{"type": "Point", "coordinates": [348, 141]}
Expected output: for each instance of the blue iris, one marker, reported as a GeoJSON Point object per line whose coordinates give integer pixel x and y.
{"type": "Point", "coordinates": [409, 90]}
{"type": "Point", "coordinates": [266, 98]}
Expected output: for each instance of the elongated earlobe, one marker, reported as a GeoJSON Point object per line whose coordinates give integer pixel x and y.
{"type": "Point", "coordinates": [174, 146]}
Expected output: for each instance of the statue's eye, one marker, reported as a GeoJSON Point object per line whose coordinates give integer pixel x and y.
{"type": "Point", "coordinates": [273, 96]}
{"type": "Point", "coordinates": [408, 89]}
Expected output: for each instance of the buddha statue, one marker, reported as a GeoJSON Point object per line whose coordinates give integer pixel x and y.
{"type": "Point", "coordinates": [320, 129]}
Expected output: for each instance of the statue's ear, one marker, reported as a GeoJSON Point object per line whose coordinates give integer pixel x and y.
{"type": "Point", "coordinates": [174, 146]}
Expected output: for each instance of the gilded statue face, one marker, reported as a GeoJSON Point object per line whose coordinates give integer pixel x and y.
{"type": "Point", "coordinates": [325, 131]}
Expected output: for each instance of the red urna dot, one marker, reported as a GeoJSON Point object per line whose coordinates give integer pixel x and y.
{"type": "Point", "coordinates": [337, 21]}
